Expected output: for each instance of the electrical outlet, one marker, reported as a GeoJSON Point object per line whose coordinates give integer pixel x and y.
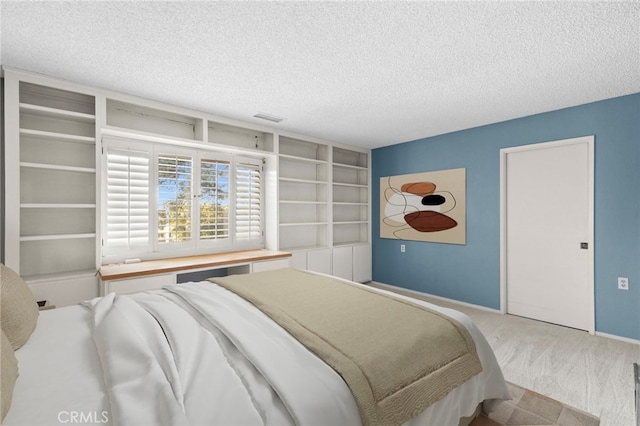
{"type": "Point", "coordinates": [402, 248]}
{"type": "Point", "coordinates": [623, 283]}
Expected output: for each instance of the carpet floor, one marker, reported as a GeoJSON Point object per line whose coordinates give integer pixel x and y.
{"type": "Point", "coordinates": [531, 408]}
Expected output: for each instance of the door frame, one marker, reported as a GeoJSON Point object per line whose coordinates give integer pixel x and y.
{"type": "Point", "coordinates": [589, 141]}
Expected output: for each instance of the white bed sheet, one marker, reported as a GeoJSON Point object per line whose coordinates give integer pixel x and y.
{"type": "Point", "coordinates": [61, 374]}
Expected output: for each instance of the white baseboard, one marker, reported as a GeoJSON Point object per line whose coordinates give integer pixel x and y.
{"type": "Point", "coordinates": [420, 293]}
{"type": "Point", "coordinates": [484, 308]}
{"type": "Point", "coordinates": [623, 339]}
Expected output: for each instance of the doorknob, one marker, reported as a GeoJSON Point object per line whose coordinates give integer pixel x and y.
{"type": "Point", "coordinates": [584, 246]}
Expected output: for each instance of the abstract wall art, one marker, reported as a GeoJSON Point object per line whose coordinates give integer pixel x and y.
{"type": "Point", "coordinates": [427, 206]}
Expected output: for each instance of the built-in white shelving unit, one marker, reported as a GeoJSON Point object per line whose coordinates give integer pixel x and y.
{"type": "Point", "coordinates": [324, 207]}
{"type": "Point", "coordinates": [351, 214]}
{"type": "Point", "coordinates": [304, 198]}
{"type": "Point", "coordinates": [57, 182]}
{"type": "Point", "coordinates": [316, 201]}
{"type": "Point", "coordinates": [350, 197]}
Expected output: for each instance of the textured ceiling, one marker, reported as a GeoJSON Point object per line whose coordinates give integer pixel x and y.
{"type": "Point", "coordinates": [363, 73]}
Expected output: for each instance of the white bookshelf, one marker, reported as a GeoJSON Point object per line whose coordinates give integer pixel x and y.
{"type": "Point", "coordinates": [303, 215]}
{"type": "Point", "coordinates": [57, 182]}
{"type": "Point", "coordinates": [324, 207]}
{"type": "Point", "coordinates": [351, 214]}
{"type": "Point", "coordinates": [350, 197]}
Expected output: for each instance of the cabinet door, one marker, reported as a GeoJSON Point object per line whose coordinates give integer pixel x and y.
{"type": "Point", "coordinates": [319, 261]}
{"type": "Point", "coordinates": [65, 292]}
{"type": "Point", "coordinates": [362, 263]}
{"type": "Point", "coordinates": [268, 265]}
{"type": "Point", "coordinates": [343, 262]}
{"type": "Point", "coordinates": [299, 260]}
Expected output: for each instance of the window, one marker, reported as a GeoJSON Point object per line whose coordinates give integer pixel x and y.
{"type": "Point", "coordinates": [204, 201]}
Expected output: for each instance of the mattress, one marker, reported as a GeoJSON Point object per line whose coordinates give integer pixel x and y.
{"type": "Point", "coordinates": [61, 379]}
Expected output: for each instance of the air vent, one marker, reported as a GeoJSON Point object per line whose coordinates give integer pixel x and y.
{"type": "Point", "coordinates": [268, 117]}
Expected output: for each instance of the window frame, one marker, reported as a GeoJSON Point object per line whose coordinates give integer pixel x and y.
{"type": "Point", "coordinates": [157, 250]}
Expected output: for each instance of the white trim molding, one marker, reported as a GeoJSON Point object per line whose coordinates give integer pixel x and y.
{"type": "Point", "coordinates": [444, 299]}
{"type": "Point", "coordinates": [619, 338]}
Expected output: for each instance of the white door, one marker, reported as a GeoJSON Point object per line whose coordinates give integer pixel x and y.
{"type": "Point", "coordinates": [548, 231]}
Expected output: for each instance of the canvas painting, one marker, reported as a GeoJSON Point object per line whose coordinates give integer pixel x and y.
{"type": "Point", "coordinates": [427, 206]}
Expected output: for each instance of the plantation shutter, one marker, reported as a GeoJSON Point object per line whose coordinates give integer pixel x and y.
{"type": "Point", "coordinates": [249, 201]}
{"type": "Point", "coordinates": [214, 199]}
{"type": "Point", "coordinates": [127, 198]}
{"type": "Point", "coordinates": [175, 198]}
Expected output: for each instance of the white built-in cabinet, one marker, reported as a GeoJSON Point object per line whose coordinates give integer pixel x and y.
{"type": "Point", "coordinates": [51, 218]}
{"type": "Point", "coordinates": [324, 207]}
{"type": "Point", "coordinates": [57, 181]}
{"type": "Point", "coordinates": [317, 192]}
{"type": "Point", "coordinates": [352, 262]}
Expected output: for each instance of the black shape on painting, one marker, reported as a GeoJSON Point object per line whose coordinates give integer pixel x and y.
{"type": "Point", "coordinates": [433, 200]}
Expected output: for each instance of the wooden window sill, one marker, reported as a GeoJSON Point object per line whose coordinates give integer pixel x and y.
{"type": "Point", "coordinates": [217, 260]}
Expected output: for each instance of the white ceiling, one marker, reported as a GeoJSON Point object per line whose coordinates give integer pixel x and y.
{"type": "Point", "coordinates": [362, 73]}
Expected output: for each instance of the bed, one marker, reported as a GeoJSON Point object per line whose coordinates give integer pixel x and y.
{"type": "Point", "coordinates": [200, 353]}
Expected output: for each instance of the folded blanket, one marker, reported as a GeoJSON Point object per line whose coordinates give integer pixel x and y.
{"type": "Point", "coordinates": [397, 357]}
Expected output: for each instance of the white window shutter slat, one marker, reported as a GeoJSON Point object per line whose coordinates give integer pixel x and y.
{"type": "Point", "coordinates": [248, 201]}
{"type": "Point", "coordinates": [127, 198]}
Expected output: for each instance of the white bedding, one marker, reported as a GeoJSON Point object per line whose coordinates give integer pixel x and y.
{"type": "Point", "coordinates": [59, 371]}
{"type": "Point", "coordinates": [252, 372]}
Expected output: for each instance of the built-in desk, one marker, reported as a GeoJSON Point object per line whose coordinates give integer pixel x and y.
{"type": "Point", "coordinates": [153, 274]}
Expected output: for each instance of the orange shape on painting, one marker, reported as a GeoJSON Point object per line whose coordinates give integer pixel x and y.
{"type": "Point", "coordinates": [419, 188]}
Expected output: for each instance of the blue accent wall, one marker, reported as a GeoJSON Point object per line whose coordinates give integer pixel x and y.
{"type": "Point", "coordinates": [471, 273]}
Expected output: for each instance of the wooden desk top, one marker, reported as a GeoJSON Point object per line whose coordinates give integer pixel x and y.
{"type": "Point", "coordinates": [153, 267]}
